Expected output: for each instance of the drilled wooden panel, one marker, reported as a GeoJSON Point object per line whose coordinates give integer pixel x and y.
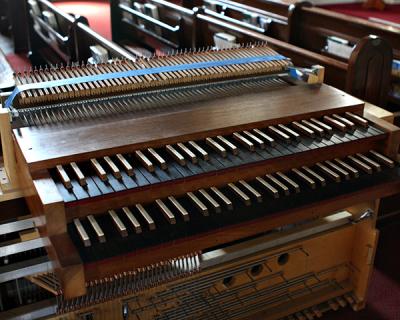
{"type": "Point", "coordinates": [48, 146]}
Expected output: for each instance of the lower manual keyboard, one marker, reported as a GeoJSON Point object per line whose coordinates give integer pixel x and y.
{"type": "Point", "coordinates": [124, 230]}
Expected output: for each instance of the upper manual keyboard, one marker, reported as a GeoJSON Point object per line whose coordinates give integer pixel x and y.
{"type": "Point", "coordinates": [140, 168]}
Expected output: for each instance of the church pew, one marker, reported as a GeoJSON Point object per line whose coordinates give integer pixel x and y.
{"type": "Point", "coordinates": [365, 75]}
{"type": "Point", "coordinates": [60, 38]}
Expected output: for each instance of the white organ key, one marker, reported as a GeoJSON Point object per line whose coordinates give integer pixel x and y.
{"type": "Point", "coordinates": [99, 232]}
{"type": "Point", "coordinates": [279, 184]}
{"type": "Point", "coordinates": [222, 197]}
{"type": "Point", "coordinates": [199, 149]}
{"type": "Point", "coordinates": [198, 203]}
{"type": "Point", "coordinates": [242, 196]}
{"type": "Point", "coordinates": [253, 191]}
{"type": "Point", "coordinates": [132, 219]}
{"type": "Point", "coordinates": [255, 139]}
{"type": "Point", "coordinates": [216, 146]}
{"type": "Point", "coordinates": [118, 223]}
{"type": "Point", "coordinates": [188, 152]}
{"type": "Point", "coordinates": [244, 141]}
{"type": "Point", "coordinates": [210, 200]}
{"type": "Point", "coordinates": [182, 211]}
{"type": "Point", "coordinates": [175, 154]}
{"type": "Point", "coordinates": [78, 173]}
{"type": "Point", "coordinates": [229, 145]}
{"type": "Point", "coordinates": [114, 169]}
{"type": "Point", "coordinates": [162, 163]}
{"type": "Point", "coordinates": [149, 220]}
{"type": "Point", "coordinates": [284, 177]}
{"type": "Point", "coordinates": [273, 191]}
{"type": "Point", "coordinates": [166, 212]}
{"type": "Point", "coordinates": [127, 166]}
{"type": "Point", "coordinates": [82, 233]}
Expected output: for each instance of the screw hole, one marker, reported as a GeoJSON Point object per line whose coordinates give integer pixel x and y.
{"type": "Point", "coordinates": [256, 270]}
{"type": "Point", "coordinates": [283, 259]}
{"type": "Point", "coordinates": [228, 281]}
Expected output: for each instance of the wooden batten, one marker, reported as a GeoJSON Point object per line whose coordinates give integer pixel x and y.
{"type": "Point", "coordinates": [69, 267]}
{"type": "Point", "coordinates": [7, 145]}
{"type": "Point", "coordinates": [392, 143]}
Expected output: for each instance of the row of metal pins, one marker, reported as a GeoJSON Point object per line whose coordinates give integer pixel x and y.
{"type": "Point", "coordinates": [130, 282]}
{"type": "Point", "coordinates": [153, 80]}
{"type": "Point", "coordinates": [140, 103]}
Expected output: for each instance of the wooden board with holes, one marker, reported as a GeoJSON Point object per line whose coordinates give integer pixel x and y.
{"type": "Point", "coordinates": [47, 146]}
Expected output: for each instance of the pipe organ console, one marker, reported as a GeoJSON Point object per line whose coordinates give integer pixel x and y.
{"type": "Point", "coordinates": [204, 184]}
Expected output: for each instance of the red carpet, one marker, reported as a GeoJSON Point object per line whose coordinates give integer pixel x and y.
{"type": "Point", "coordinates": [391, 12]}
{"type": "Point", "coordinates": [384, 293]}
{"type": "Point", "coordinates": [18, 62]}
{"type": "Point", "coordinates": [97, 12]}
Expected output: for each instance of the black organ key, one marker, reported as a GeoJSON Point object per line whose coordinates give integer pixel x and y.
{"type": "Point", "coordinates": [306, 179]}
{"type": "Point", "coordinates": [118, 223]}
{"type": "Point", "coordinates": [182, 211]}
{"type": "Point", "coordinates": [166, 212]}
{"type": "Point", "coordinates": [240, 194]}
{"type": "Point", "coordinates": [97, 229]}
{"type": "Point", "coordinates": [382, 159]}
{"type": "Point", "coordinates": [222, 197]}
{"type": "Point", "coordinates": [82, 233]}
{"type": "Point", "coordinates": [267, 186]}
{"type": "Point", "coordinates": [251, 190]}
{"type": "Point", "coordinates": [279, 184]}
{"type": "Point", "coordinates": [146, 216]}
{"type": "Point", "coordinates": [132, 219]}
{"type": "Point", "coordinates": [215, 205]}
{"type": "Point", "coordinates": [361, 165]}
{"type": "Point", "coordinates": [229, 145]}
{"type": "Point", "coordinates": [198, 203]}
{"type": "Point", "coordinates": [157, 158]}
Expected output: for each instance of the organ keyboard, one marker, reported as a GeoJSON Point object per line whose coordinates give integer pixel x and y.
{"type": "Point", "coordinates": [134, 171]}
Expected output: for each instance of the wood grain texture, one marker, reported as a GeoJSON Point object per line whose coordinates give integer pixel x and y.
{"type": "Point", "coordinates": [45, 147]}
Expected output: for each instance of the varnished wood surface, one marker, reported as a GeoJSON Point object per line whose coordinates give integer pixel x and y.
{"type": "Point", "coordinates": [47, 146]}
